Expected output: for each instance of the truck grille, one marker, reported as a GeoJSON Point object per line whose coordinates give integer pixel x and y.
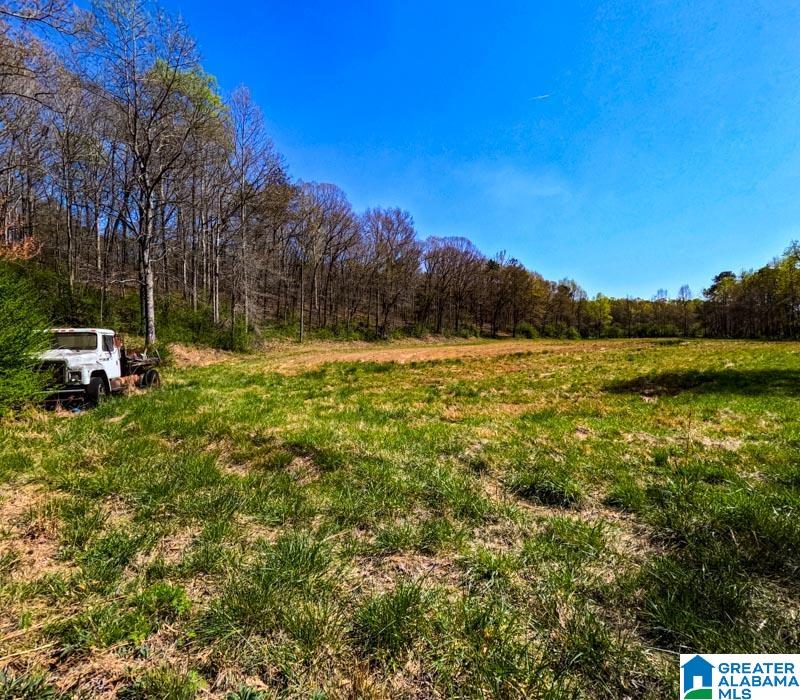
{"type": "Point", "coordinates": [56, 372]}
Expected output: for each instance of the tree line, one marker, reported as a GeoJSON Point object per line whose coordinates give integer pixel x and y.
{"type": "Point", "coordinates": [125, 171]}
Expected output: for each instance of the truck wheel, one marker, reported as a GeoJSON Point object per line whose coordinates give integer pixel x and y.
{"type": "Point", "coordinates": [150, 379]}
{"type": "Point", "coordinates": [97, 391]}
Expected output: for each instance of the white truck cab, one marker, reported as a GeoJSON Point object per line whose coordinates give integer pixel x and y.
{"type": "Point", "coordinates": [83, 361]}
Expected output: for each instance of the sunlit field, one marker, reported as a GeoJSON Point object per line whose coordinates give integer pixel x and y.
{"type": "Point", "coordinates": [555, 522]}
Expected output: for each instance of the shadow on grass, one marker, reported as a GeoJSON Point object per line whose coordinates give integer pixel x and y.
{"type": "Point", "coordinates": [774, 382]}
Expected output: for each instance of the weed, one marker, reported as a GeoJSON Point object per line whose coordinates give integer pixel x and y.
{"type": "Point", "coordinates": [25, 687]}
{"type": "Point", "coordinates": [389, 623]}
{"type": "Point", "coordinates": [104, 560]}
{"type": "Point", "coordinates": [625, 495]}
{"type": "Point", "coordinates": [245, 693]}
{"type": "Point", "coordinates": [80, 521]}
{"type": "Point", "coordinates": [163, 683]}
{"type": "Point", "coordinates": [566, 540]}
{"type": "Point", "coordinates": [127, 621]}
{"type": "Point", "coordinates": [546, 485]}
{"type": "Point", "coordinates": [430, 536]}
{"type": "Point", "coordinates": [284, 590]}
{"type": "Point", "coordinates": [8, 562]}
{"type": "Point", "coordinates": [491, 654]}
{"type": "Point", "coordinates": [486, 565]}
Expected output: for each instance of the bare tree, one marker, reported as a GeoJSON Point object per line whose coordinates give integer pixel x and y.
{"type": "Point", "coordinates": [146, 69]}
{"type": "Point", "coordinates": [395, 260]}
{"type": "Point", "coordinates": [254, 165]}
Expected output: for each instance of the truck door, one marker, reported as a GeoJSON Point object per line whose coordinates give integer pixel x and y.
{"type": "Point", "coordinates": [109, 356]}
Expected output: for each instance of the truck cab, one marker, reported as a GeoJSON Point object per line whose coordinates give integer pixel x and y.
{"type": "Point", "coordinates": [83, 363]}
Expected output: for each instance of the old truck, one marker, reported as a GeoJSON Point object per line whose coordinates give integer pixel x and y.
{"type": "Point", "coordinates": [89, 364]}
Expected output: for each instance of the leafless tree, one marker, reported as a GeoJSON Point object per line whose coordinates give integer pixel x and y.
{"type": "Point", "coordinates": [395, 258]}
{"type": "Point", "coordinates": [145, 67]}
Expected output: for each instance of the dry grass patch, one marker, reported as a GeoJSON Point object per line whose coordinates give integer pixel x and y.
{"type": "Point", "coordinates": [383, 573]}
{"type": "Point", "coordinates": [30, 540]}
{"type": "Point", "coordinates": [190, 356]}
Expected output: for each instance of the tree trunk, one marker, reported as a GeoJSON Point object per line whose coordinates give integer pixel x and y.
{"type": "Point", "coordinates": [146, 277]}
{"type": "Point", "coordinates": [302, 301]}
{"type": "Point", "coordinates": [215, 275]}
{"type": "Point", "coordinates": [70, 234]}
{"type": "Point", "coordinates": [245, 280]}
{"type": "Point", "coordinates": [148, 292]}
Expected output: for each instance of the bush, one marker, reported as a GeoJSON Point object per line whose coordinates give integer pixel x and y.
{"type": "Point", "coordinates": [178, 323]}
{"type": "Point", "coordinates": [467, 331]}
{"type": "Point", "coordinates": [526, 330]}
{"type": "Point", "coordinates": [21, 339]}
{"type": "Point", "coordinates": [418, 330]}
{"type": "Point", "coordinates": [554, 330]}
{"type": "Point", "coordinates": [176, 320]}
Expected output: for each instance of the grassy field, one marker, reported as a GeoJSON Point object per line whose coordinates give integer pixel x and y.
{"type": "Point", "coordinates": [556, 522]}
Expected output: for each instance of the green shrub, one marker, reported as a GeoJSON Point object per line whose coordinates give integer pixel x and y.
{"type": "Point", "coordinates": [176, 320]}
{"type": "Point", "coordinates": [554, 330]}
{"type": "Point", "coordinates": [526, 330]}
{"type": "Point", "coordinates": [179, 323]}
{"type": "Point", "coordinates": [21, 339]}
{"type": "Point", "coordinates": [467, 331]}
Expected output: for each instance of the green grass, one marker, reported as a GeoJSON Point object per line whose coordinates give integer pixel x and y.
{"type": "Point", "coordinates": [553, 523]}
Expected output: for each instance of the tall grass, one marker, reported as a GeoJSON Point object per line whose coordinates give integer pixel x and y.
{"type": "Point", "coordinates": [537, 525]}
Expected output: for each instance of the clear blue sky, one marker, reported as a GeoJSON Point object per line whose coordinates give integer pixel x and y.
{"type": "Point", "coordinates": [629, 145]}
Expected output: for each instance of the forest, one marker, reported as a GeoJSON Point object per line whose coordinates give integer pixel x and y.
{"type": "Point", "coordinates": [135, 193]}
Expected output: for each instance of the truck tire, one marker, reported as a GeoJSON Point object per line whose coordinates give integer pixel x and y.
{"type": "Point", "coordinates": [150, 379]}
{"type": "Point", "coordinates": [97, 391]}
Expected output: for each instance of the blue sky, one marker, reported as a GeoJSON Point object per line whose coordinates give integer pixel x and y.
{"type": "Point", "coordinates": [628, 145]}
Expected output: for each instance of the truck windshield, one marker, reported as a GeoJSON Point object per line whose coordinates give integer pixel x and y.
{"type": "Point", "coordinates": [74, 341]}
